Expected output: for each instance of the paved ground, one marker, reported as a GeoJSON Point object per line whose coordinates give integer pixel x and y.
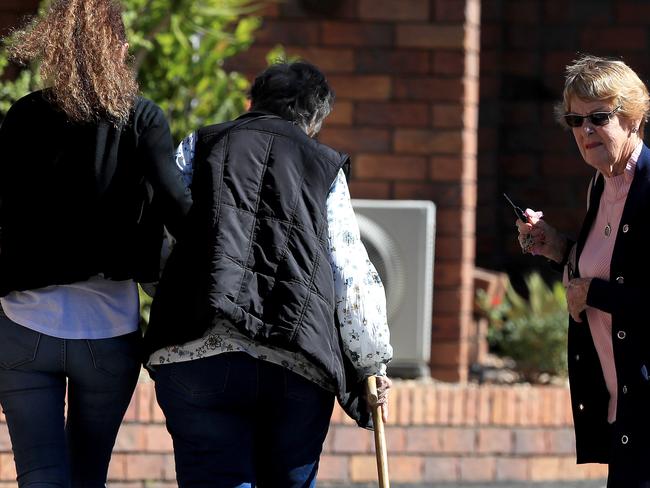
{"type": "Point", "coordinates": [563, 484]}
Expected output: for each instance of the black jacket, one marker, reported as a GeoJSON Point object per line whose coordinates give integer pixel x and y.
{"type": "Point", "coordinates": [624, 296]}
{"type": "Point", "coordinates": [75, 199]}
{"type": "Point", "coordinates": [256, 249]}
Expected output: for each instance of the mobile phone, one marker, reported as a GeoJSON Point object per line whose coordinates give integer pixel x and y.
{"type": "Point", "coordinates": [521, 215]}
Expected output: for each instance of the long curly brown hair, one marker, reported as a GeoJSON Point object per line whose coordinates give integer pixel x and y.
{"type": "Point", "coordinates": [79, 45]}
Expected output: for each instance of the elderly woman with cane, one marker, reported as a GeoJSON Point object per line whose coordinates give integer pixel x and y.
{"type": "Point", "coordinates": [606, 105]}
{"type": "Point", "coordinates": [270, 308]}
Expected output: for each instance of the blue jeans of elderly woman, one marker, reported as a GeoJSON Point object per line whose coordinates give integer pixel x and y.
{"type": "Point", "coordinates": [238, 421]}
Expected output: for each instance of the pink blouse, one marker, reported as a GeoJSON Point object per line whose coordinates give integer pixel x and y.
{"type": "Point", "coordinates": [595, 262]}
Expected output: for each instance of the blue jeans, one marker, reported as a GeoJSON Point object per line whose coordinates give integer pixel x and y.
{"type": "Point", "coordinates": [237, 421]}
{"type": "Point", "coordinates": [101, 375]}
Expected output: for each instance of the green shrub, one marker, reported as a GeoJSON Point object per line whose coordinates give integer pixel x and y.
{"type": "Point", "coordinates": [532, 332]}
{"type": "Point", "coordinates": [179, 48]}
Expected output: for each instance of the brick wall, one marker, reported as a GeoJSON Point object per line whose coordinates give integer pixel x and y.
{"type": "Point", "coordinates": [437, 432]}
{"type": "Point", "coordinates": [406, 78]}
{"type": "Point", "coordinates": [525, 45]}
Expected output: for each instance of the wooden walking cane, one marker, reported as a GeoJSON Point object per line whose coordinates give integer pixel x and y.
{"type": "Point", "coordinates": [380, 438]}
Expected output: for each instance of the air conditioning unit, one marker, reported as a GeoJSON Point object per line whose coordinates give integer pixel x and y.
{"type": "Point", "coordinates": [399, 237]}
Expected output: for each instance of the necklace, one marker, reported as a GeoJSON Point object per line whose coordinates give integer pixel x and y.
{"type": "Point", "coordinates": [610, 204]}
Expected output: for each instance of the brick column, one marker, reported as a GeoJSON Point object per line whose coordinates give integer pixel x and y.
{"type": "Point", "coordinates": [406, 78]}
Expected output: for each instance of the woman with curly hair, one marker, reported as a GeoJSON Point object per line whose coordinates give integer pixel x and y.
{"type": "Point", "coordinates": [86, 180]}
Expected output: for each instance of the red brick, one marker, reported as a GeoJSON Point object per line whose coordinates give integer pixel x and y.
{"type": "Point", "coordinates": [418, 405]}
{"type": "Point", "coordinates": [423, 440]}
{"type": "Point", "coordinates": [395, 438]}
{"type": "Point", "coordinates": [457, 440]}
{"type": "Point", "coordinates": [368, 189]}
{"type": "Point", "coordinates": [148, 466]}
{"type": "Point", "coordinates": [406, 469]}
{"type": "Point", "coordinates": [471, 408]}
{"type": "Point", "coordinates": [341, 114]}
{"type": "Point", "coordinates": [529, 441]}
{"type": "Point", "coordinates": [561, 441]}
{"type": "Point", "coordinates": [391, 167]}
{"type": "Point", "coordinates": [457, 410]}
{"type": "Point", "coordinates": [391, 10]}
{"type": "Point", "coordinates": [615, 38]}
{"type": "Point", "coordinates": [271, 10]}
{"type": "Point", "coordinates": [5, 441]}
{"type": "Point", "coordinates": [333, 468]}
{"type": "Point", "coordinates": [431, 412]}
{"type": "Point", "coordinates": [363, 468]}
{"type": "Point", "coordinates": [361, 87]}
{"type": "Point", "coordinates": [130, 438]}
{"type": "Point", "coordinates": [449, 374]}
{"type": "Point", "coordinates": [544, 468]}
{"type": "Point", "coordinates": [473, 12]}
{"type": "Point", "coordinates": [351, 440]}
{"type": "Point", "coordinates": [631, 12]}
{"type": "Point", "coordinates": [441, 469]}
{"type": "Point", "coordinates": [393, 61]}
{"type": "Point", "coordinates": [477, 469]}
{"type": "Point", "coordinates": [396, 114]}
{"type": "Point", "coordinates": [443, 392]}
{"type": "Point", "coordinates": [511, 469]}
{"type": "Point", "coordinates": [524, 12]}
{"type": "Point", "coordinates": [356, 140]}
{"type": "Point", "coordinates": [454, 222]}
{"type": "Point", "coordinates": [404, 402]}
{"type": "Point", "coordinates": [156, 438]}
{"type": "Point", "coordinates": [429, 89]}
{"type": "Point", "coordinates": [418, 141]}
{"type": "Point", "coordinates": [7, 467]}
{"type": "Point", "coordinates": [447, 168]}
{"type": "Point", "coordinates": [117, 467]}
{"type": "Point", "coordinates": [300, 33]}
{"type": "Point", "coordinates": [252, 60]}
{"type": "Point", "coordinates": [445, 353]}
{"type": "Point", "coordinates": [415, 191]}
{"type": "Point", "coordinates": [329, 60]}
{"type": "Point", "coordinates": [448, 116]}
{"type": "Point", "coordinates": [354, 34]}
{"type": "Point", "coordinates": [146, 400]}
{"type": "Point", "coordinates": [451, 273]}
{"type": "Point", "coordinates": [450, 10]}
{"type": "Point", "coordinates": [448, 63]}
{"type": "Point", "coordinates": [431, 36]}
{"type": "Point", "coordinates": [339, 10]}
{"type": "Point", "coordinates": [494, 441]}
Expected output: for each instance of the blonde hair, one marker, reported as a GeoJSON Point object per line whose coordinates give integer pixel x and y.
{"type": "Point", "coordinates": [592, 78]}
{"type": "Point", "coordinates": [78, 44]}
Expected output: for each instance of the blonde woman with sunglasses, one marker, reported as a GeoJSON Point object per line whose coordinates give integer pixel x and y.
{"type": "Point", "coordinates": [607, 270]}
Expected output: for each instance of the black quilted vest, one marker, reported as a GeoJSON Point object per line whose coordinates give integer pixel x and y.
{"type": "Point", "coordinates": [257, 251]}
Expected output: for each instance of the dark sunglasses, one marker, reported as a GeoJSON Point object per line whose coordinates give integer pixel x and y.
{"type": "Point", "coordinates": [596, 118]}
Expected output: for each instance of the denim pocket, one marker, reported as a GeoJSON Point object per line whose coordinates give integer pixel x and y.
{"type": "Point", "coordinates": [116, 355]}
{"type": "Point", "coordinates": [201, 377]}
{"type": "Point", "coordinates": [18, 344]}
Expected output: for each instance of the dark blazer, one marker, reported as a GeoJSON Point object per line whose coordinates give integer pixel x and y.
{"type": "Point", "coordinates": [79, 199]}
{"type": "Point", "coordinates": [626, 295]}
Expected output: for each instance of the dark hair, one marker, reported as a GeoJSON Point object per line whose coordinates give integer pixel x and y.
{"type": "Point", "coordinates": [297, 92]}
{"type": "Point", "coordinates": [78, 44]}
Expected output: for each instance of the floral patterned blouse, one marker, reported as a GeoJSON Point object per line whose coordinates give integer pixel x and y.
{"type": "Point", "coordinates": [360, 299]}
